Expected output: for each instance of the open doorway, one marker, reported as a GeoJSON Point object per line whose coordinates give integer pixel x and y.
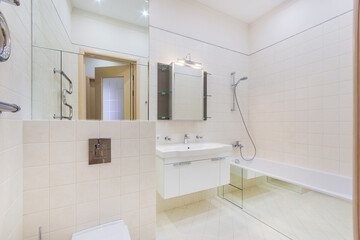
{"type": "Point", "coordinates": [108, 88]}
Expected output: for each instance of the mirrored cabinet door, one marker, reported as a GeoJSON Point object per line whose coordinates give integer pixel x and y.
{"type": "Point", "coordinates": [182, 92]}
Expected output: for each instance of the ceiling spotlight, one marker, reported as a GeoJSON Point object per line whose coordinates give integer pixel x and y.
{"type": "Point", "coordinates": [145, 13]}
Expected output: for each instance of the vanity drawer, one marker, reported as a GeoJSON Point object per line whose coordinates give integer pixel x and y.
{"type": "Point", "coordinates": [199, 175]}
{"type": "Point", "coordinates": [181, 178]}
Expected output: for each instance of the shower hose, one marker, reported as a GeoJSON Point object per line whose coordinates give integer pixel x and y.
{"type": "Point", "coordinates": [247, 131]}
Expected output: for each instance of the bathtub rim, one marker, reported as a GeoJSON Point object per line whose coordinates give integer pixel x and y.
{"type": "Point", "coordinates": [346, 197]}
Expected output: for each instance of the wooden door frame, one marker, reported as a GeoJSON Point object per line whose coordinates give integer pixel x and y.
{"type": "Point", "coordinates": [88, 97]}
{"type": "Point", "coordinates": [91, 53]}
{"type": "Point", "coordinates": [356, 162]}
{"type": "Point", "coordinates": [113, 72]}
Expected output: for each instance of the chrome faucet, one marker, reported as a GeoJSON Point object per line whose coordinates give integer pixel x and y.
{"type": "Point", "coordinates": [186, 138]}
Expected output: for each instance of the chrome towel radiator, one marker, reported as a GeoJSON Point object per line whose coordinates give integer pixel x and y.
{"type": "Point", "coordinates": [5, 40]}
{"type": "Point", "coordinates": [5, 50]}
{"type": "Point", "coordinates": [64, 93]}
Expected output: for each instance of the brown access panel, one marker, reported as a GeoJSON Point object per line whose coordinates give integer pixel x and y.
{"type": "Point", "coordinates": [99, 150]}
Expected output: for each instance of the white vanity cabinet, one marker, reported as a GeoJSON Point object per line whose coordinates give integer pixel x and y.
{"type": "Point", "coordinates": [177, 176]}
{"type": "Point", "coordinates": [188, 168]}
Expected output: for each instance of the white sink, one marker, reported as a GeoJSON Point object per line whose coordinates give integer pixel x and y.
{"type": "Point", "coordinates": [205, 150]}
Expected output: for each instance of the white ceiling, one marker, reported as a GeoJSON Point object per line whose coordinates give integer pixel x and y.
{"type": "Point", "coordinates": [245, 10]}
{"type": "Point", "coordinates": [124, 10]}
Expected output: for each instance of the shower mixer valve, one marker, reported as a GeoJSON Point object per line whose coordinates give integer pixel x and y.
{"type": "Point", "coordinates": [237, 144]}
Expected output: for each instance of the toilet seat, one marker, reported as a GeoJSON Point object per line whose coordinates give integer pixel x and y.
{"type": "Point", "coordinates": [111, 231]}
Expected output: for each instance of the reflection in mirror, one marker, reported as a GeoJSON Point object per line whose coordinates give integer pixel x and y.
{"type": "Point", "coordinates": [187, 93]}
{"type": "Point", "coordinates": [102, 46]}
{"type": "Point", "coordinates": [182, 92]}
{"type": "Point", "coordinates": [108, 90]}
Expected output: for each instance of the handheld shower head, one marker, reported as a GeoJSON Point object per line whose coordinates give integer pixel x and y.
{"type": "Point", "coordinates": [241, 79]}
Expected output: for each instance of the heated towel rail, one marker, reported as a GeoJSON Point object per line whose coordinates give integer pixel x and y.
{"type": "Point", "coordinates": [63, 96]}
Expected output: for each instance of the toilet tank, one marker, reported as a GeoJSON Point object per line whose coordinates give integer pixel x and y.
{"type": "Point", "coordinates": [111, 231]}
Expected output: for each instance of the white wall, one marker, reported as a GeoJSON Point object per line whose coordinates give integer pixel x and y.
{"type": "Point", "coordinates": [64, 194]}
{"type": "Point", "coordinates": [192, 19]}
{"type": "Point", "coordinates": [292, 18]}
{"type": "Point", "coordinates": [92, 30]}
{"type": "Point", "coordinates": [92, 63]}
{"type": "Point", "coordinates": [15, 87]}
{"type": "Point", "coordinates": [301, 91]}
{"type": "Point", "coordinates": [64, 11]}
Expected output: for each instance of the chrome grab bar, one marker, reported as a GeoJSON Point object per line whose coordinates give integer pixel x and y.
{"type": "Point", "coordinates": [6, 107]}
{"type": "Point", "coordinates": [64, 92]}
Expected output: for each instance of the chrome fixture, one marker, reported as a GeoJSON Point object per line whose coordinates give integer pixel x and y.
{"type": "Point", "coordinates": [237, 144]}
{"type": "Point", "coordinates": [241, 79]}
{"type": "Point", "coordinates": [186, 61]}
{"type": "Point", "coordinates": [186, 138]}
{"type": "Point", "coordinates": [167, 138]}
{"type": "Point", "coordinates": [6, 107]}
{"type": "Point", "coordinates": [234, 85]}
{"type": "Point", "coordinates": [199, 137]}
{"type": "Point", "coordinates": [235, 100]}
{"type": "Point", "coordinates": [5, 40]}
{"type": "Point", "coordinates": [63, 96]}
{"type": "Point", "coordinates": [13, 2]}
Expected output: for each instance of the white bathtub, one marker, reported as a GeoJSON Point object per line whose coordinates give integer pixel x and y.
{"type": "Point", "coordinates": [327, 183]}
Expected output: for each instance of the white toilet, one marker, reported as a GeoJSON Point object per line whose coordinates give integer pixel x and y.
{"type": "Point", "coordinates": [111, 231]}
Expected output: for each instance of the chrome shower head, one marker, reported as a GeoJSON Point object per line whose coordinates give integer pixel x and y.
{"type": "Point", "coordinates": [241, 79]}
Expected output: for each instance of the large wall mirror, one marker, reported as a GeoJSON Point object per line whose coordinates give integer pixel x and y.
{"type": "Point", "coordinates": [90, 59]}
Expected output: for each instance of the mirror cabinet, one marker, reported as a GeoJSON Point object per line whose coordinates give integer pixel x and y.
{"type": "Point", "coordinates": [182, 92]}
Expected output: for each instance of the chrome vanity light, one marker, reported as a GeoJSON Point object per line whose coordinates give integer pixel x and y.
{"type": "Point", "coordinates": [5, 41]}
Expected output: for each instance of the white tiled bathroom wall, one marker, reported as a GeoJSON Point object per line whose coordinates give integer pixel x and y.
{"type": "Point", "coordinates": [11, 179]}
{"type": "Point", "coordinates": [63, 194]}
{"type": "Point", "coordinates": [300, 98]}
{"type": "Point", "coordinates": [15, 87]}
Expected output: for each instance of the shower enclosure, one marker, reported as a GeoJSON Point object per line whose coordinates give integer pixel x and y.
{"type": "Point", "coordinates": [294, 211]}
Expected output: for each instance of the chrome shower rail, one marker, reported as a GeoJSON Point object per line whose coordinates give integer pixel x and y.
{"type": "Point", "coordinates": [6, 107]}
{"type": "Point", "coordinates": [64, 93]}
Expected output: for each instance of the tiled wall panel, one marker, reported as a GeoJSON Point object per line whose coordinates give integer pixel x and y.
{"type": "Point", "coordinates": [300, 98]}
{"type": "Point", "coordinates": [64, 194]}
{"type": "Point", "coordinates": [11, 179]}
{"type": "Point", "coordinates": [15, 87]}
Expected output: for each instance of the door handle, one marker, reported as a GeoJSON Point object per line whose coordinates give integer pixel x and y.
{"type": "Point", "coordinates": [218, 159]}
